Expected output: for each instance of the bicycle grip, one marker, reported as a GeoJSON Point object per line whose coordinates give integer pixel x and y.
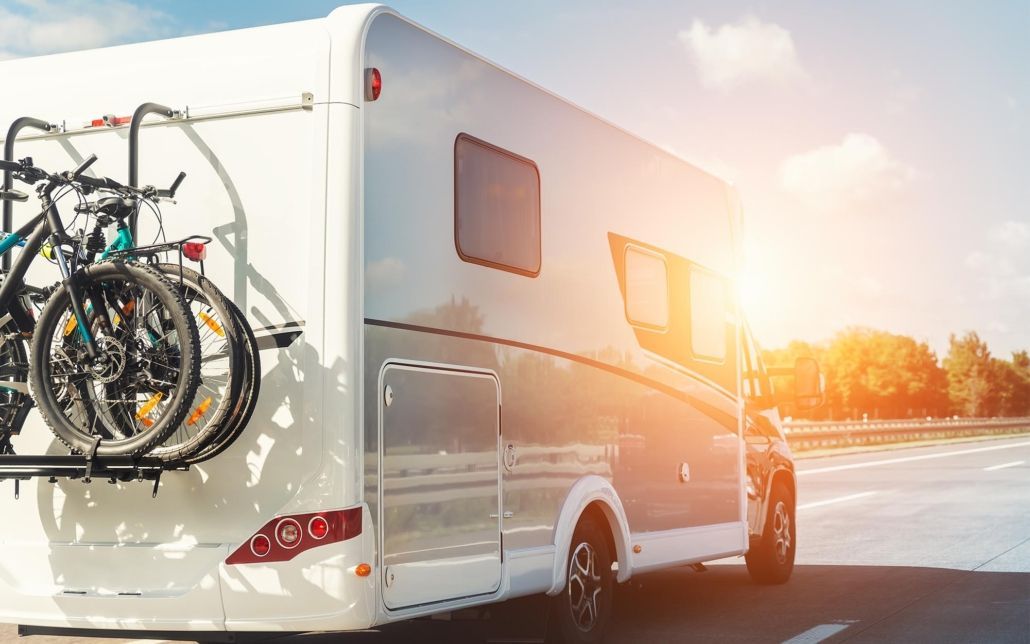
{"type": "Point", "coordinates": [74, 176]}
{"type": "Point", "coordinates": [10, 166]}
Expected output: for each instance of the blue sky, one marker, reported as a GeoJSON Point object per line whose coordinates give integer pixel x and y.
{"type": "Point", "coordinates": [881, 149]}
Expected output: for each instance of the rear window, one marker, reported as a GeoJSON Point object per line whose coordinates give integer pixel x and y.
{"type": "Point", "coordinates": [496, 207]}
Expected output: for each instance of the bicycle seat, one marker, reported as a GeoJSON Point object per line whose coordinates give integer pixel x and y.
{"type": "Point", "coordinates": [13, 195]}
{"type": "Point", "coordinates": [116, 206]}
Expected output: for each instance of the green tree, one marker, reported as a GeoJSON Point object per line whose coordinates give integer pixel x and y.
{"type": "Point", "coordinates": [972, 375]}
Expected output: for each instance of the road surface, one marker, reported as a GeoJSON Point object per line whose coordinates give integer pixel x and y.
{"type": "Point", "coordinates": [917, 545]}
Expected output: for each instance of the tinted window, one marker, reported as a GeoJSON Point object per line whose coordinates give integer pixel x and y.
{"type": "Point", "coordinates": [496, 207]}
{"type": "Point", "coordinates": [647, 288]}
{"type": "Point", "coordinates": [707, 315]}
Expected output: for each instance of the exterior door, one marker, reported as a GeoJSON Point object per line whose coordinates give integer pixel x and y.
{"type": "Point", "coordinates": [440, 483]}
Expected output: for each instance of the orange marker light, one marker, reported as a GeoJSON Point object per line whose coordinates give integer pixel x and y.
{"type": "Point", "coordinates": [637, 549]}
{"type": "Point", "coordinates": [363, 570]}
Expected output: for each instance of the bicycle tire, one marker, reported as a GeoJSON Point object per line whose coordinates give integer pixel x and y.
{"type": "Point", "coordinates": [248, 396]}
{"type": "Point", "coordinates": [103, 277]}
{"type": "Point", "coordinates": [219, 321]}
{"type": "Point", "coordinates": [14, 367]}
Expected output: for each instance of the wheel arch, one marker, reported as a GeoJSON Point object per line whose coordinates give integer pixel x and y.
{"type": "Point", "coordinates": [590, 495]}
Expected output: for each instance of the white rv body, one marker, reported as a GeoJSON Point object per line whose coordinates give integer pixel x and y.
{"type": "Point", "coordinates": [471, 412]}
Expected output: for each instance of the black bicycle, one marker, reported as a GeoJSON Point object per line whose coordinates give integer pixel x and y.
{"type": "Point", "coordinates": [114, 341]}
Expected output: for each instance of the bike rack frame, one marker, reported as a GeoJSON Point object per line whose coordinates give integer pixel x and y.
{"type": "Point", "coordinates": [137, 119]}
{"type": "Point", "coordinates": [20, 467]}
{"type": "Point", "coordinates": [12, 134]}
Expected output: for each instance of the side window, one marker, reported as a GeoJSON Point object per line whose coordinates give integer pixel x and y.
{"type": "Point", "coordinates": [647, 289]}
{"type": "Point", "coordinates": [707, 315]}
{"type": "Point", "coordinates": [756, 379]}
{"type": "Point", "coordinates": [752, 382]}
{"type": "Point", "coordinates": [496, 207]}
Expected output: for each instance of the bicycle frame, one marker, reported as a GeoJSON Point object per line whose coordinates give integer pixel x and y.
{"type": "Point", "coordinates": [45, 225]}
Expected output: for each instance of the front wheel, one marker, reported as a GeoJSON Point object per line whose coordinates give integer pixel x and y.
{"type": "Point", "coordinates": [139, 387]}
{"type": "Point", "coordinates": [771, 558]}
{"type": "Point", "coordinates": [580, 613]}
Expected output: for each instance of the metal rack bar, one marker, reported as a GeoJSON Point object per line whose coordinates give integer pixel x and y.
{"type": "Point", "coordinates": [12, 134]}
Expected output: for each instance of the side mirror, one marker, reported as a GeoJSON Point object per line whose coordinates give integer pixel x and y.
{"type": "Point", "coordinates": [808, 384]}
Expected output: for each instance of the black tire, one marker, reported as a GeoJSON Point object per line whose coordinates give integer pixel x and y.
{"type": "Point", "coordinates": [771, 557]}
{"type": "Point", "coordinates": [251, 387]}
{"type": "Point", "coordinates": [581, 611]}
{"type": "Point", "coordinates": [71, 409]}
{"type": "Point", "coordinates": [222, 346]}
{"type": "Point", "coordinates": [14, 369]}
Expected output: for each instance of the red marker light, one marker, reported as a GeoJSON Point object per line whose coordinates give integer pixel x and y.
{"type": "Point", "coordinates": [260, 545]}
{"type": "Point", "coordinates": [194, 251]}
{"type": "Point", "coordinates": [318, 527]}
{"type": "Point", "coordinates": [373, 84]}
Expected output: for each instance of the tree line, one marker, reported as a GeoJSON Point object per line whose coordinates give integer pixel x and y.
{"type": "Point", "coordinates": [879, 375]}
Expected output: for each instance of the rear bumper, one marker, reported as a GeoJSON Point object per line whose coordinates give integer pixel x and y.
{"type": "Point", "coordinates": [90, 588]}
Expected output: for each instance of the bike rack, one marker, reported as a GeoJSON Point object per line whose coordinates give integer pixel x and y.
{"type": "Point", "coordinates": [137, 119]}
{"type": "Point", "coordinates": [12, 134]}
{"type": "Point", "coordinates": [20, 467]}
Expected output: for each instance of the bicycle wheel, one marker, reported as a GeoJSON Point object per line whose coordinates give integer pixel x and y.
{"type": "Point", "coordinates": [15, 402]}
{"type": "Point", "coordinates": [138, 390]}
{"type": "Point", "coordinates": [251, 387]}
{"type": "Point", "coordinates": [223, 365]}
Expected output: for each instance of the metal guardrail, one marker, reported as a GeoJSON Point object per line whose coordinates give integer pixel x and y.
{"type": "Point", "coordinates": [807, 435]}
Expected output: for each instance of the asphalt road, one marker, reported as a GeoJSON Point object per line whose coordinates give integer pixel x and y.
{"type": "Point", "coordinates": [917, 545]}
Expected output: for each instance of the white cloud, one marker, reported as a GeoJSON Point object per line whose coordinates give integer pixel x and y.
{"type": "Point", "coordinates": [33, 27]}
{"type": "Point", "coordinates": [855, 171]}
{"type": "Point", "coordinates": [733, 54]}
{"type": "Point", "coordinates": [1015, 234]}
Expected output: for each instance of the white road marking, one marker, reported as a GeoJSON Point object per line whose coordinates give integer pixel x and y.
{"type": "Point", "coordinates": [817, 634]}
{"type": "Point", "coordinates": [1003, 466]}
{"type": "Point", "coordinates": [839, 499]}
{"type": "Point", "coordinates": [906, 459]}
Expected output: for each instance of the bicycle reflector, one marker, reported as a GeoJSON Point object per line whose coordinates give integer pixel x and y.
{"type": "Point", "coordinates": [195, 251]}
{"type": "Point", "coordinates": [373, 84]}
{"type": "Point", "coordinates": [283, 538]}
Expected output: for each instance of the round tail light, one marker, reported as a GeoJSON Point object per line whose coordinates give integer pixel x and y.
{"type": "Point", "coordinates": [288, 533]}
{"type": "Point", "coordinates": [318, 528]}
{"type": "Point", "coordinates": [260, 545]}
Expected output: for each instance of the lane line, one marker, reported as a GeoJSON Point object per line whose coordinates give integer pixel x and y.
{"type": "Point", "coordinates": [1003, 466]}
{"type": "Point", "coordinates": [839, 499]}
{"type": "Point", "coordinates": [817, 634]}
{"type": "Point", "coordinates": [907, 459]}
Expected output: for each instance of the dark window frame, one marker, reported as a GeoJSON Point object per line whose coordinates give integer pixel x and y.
{"type": "Point", "coordinates": [472, 259]}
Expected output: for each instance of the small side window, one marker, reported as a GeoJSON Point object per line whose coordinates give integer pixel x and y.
{"type": "Point", "coordinates": [496, 207]}
{"type": "Point", "coordinates": [647, 289]}
{"type": "Point", "coordinates": [707, 316]}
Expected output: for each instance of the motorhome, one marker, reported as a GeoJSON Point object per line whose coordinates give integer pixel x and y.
{"type": "Point", "coordinates": [502, 352]}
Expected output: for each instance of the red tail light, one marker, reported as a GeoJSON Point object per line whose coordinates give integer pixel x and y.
{"type": "Point", "coordinates": [195, 251]}
{"type": "Point", "coordinates": [373, 84]}
{"type": "Point", "coordinates": [283, 538]}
